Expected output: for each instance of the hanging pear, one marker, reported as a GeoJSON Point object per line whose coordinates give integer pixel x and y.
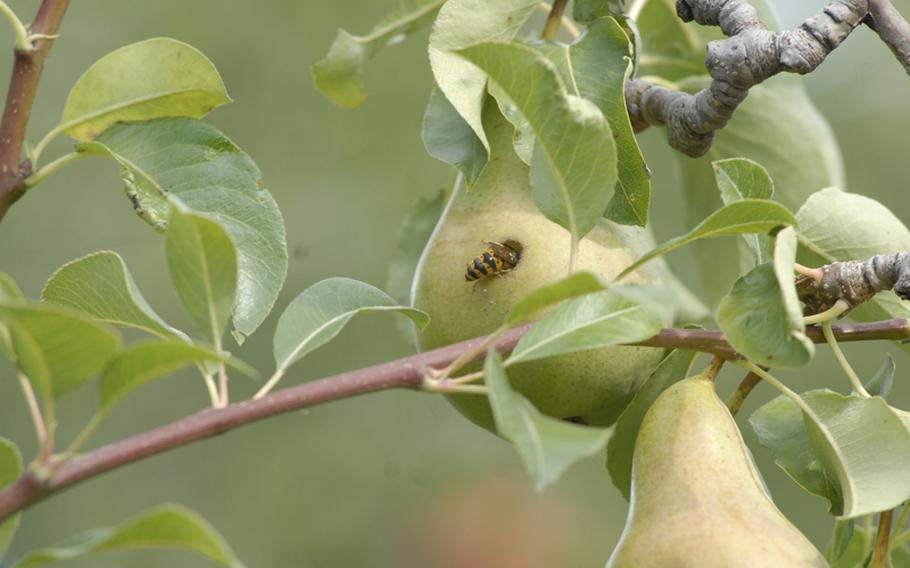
{"type": "Point", "coordinates": [697, 499]}
{"type": "Point", "coordinates": [591, 386]}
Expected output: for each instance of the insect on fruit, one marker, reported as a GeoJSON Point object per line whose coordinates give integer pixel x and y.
{"type": "Point", "coordinates": [496, 258]}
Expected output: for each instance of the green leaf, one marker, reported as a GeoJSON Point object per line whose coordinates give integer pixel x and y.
{"type": "Point", "coordinates": [624, 314]}
{"type": "Point", "coordinates": [461, 24]}
{"type": "Point", "coordinates": [154, 78]}
{"type": "Point", "coordinates": [140, 364]}
{"type": "Point", "coordinates": [840, 539]}
{"type": "Point", "coordinates": [203, 264]}
{"type": "Point", "coordinates": [9, 290]}
{"type": "Point", "coordinates": [859, 449]}
{"type": "Point", "coordinates": [577, 284]}
{"type": "Point", "coordinates": [415, 231]}
{"type": "Point", "coordinates": [547, 446]}
{"type": "Point", "coordinates": [573, 168]}
{"type": "Point", "coordinates": [448, 138]}
{"type": "Point", "coordinates": [739, 217]}
{"type": "Point", "coordinates": [741, 178]}
{"type": "Point", "coordinates": [670, 48]}
{"type": "Point", "coordinates": [100, 285]}
{"type": "Point", "coordinates": [881, 381]}
{"type": "Point", "coordinates": [780, 427]}
{"type": "Point", "coordinates": [587, 11]}
{"type": "Point", "coordinates": [57, 350]}
{"type": "Point", "coordinates": [10, 470]}
{"type": "Point", "coordinates": [339, 75]}
{"type": "Point", "coordinates": [673, 368]}
{"type": "Point", "coordinates": [165, 526]}
{"type": "Point", "coordinates": [189, 162]}
{"type": "Point", "coordinates": [835, 225]}
{"type": "Point", "coordinates": [601, 62]}
{"type": "Point", "coordinates": [320, 312]}
{"type": "Point", "coordinates": [762, 318]}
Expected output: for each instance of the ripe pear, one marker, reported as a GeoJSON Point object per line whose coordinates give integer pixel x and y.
{"type": "Point", "coordinates": [697, 499]}
{"type": "Point", "coordinates": [591, 387]}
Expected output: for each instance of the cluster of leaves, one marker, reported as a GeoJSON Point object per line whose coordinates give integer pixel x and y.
{"type": "Point", "coordinates": [566, 102]}
{"type": "Point", "coordinates": [227, 258]}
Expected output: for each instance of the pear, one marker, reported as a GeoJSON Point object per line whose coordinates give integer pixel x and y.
{"type": "Point", "coordinates": [591, 387]}
{"type": "Point", "coordinates": [697, 499]}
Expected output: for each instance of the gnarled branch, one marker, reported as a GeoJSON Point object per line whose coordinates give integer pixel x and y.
{"type": "Point", "coordinates": [750, 55]}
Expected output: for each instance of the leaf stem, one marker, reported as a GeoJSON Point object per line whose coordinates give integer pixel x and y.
{"type": "Point", "coordinates": [813, 273]}
{"type": "Point", "coordinates": [34, 409]}
{"type": "Point", "coordinates": [554, 20]}
{"type": "Point", "coordinates": [80, 439]}
{"type": "Point", "coordinates": [39, 176]}
{"type": "Point", "coordinates": [882, 551]}
{"type": "Point", "coordinates": [223, 385]}
{"type": "Point", "coordinates": [23, 43]}
{"type": "Point", "coordinates": [831, 313]}
{"type": "Point", "coordinates": [776, 383]}
{"type": "Point", "coordinates": [210, 387]}
{"type": "Point", "coordinates": [842, 360]}
{"type": "Point", "coordinates": [269, 384]}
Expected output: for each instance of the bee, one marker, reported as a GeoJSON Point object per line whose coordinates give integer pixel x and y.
{"type": "Point", "coordinates": [496, 258]}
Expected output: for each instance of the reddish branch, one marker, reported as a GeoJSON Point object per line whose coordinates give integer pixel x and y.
{"type": "Point", "coordinates": [23, 86]}
{"type": "Point", "coordinates": [406, 373]}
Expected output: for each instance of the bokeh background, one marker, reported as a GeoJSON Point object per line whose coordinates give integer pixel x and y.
{"type": "Point", "coordinates": [392, 479]}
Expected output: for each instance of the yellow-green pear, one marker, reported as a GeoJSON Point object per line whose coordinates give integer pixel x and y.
{"type": "Point", "coordinates": [697, 499]}
{"type": "Point", "coordinates": [591, 386]}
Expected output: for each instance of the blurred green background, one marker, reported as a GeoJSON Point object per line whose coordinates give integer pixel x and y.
{"type": "Point", "coordinates": [392, 479]}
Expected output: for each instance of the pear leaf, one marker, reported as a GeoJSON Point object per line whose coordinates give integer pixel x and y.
{"type": "Point", "coordinates": [761, 316]}
{"type": "Point", "coordinates": [165, 526]}
{"type": "Point", "coordinates": [10, 470]}
{"type": "Point", "coordinates": [573, 166]}
{"type": "Point", "coordinates": [190, 163]}
{"type": "Point", "coordinates": [739, 217]}
{"type": "Point", "coordinates": [155, 78]}
{"type": "Point", "coordinates": [547, 446]}
{"type": "Point", "coordinates": [321, 311]}
{"type": "Point", "coordinates": [599, 319]}
{"type": "Point", "coordinates": [461, 24]}
{"type": "Point", "coordinates": [339, 75]}
{"type": "Point", "coordinates": [100, 285]}
{"type": "Point", "coordinates": [202, 261]}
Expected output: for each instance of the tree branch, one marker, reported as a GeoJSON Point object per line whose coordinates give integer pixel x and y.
{"type": "Point", "coordinates": [750, 55]}
{"type": "Point", "coordinates": [892, 28]}
{"type": "Point", "coordinates": [406, 373]}
{"type": "Point", "coordinates": [23, 86]}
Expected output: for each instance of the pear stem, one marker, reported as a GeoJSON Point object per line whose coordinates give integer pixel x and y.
{"type": "Point", "coordinates": [749, 382]}
{"type": "Point", "coordinates": [882, 551]}
{"type": "Point", "coordinates": [714, 368]}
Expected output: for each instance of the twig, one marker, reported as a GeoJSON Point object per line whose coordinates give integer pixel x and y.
{"type": "Point", "coordinates": [20, 96]}
{"type": "Point", "coordinates": [407, 373]}
{"type": "Point", "coordinates": [892, 28]}
{"type": "Point", "coordinates": [882, 550]}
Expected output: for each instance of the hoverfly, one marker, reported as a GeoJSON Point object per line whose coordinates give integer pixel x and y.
{"type": "Point", "coordinates": [496, 258]}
